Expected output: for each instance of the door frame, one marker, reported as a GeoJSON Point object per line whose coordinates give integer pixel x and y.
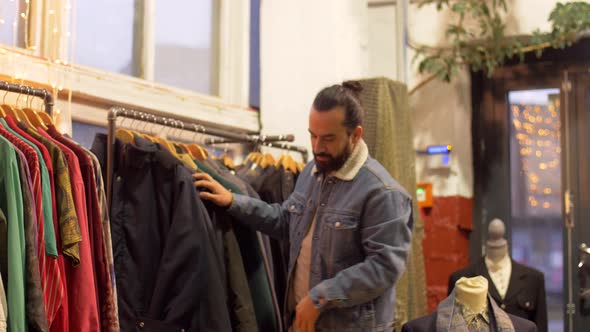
{"type": "Point", "coordinates": [491, 147]}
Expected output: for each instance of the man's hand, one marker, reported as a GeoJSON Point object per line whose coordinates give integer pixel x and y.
{"type": "Point", "coordinates": [306, 315]}
{"type": "Point", "coordinates": [218, 194]}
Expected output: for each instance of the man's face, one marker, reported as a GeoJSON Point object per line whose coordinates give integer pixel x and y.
{"type": "Point", "coordinates": [331, 142]}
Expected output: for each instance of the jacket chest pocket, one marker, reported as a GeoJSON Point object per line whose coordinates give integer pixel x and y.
{"type": "Point", "coordinates": [340, 240]}
{"type": "Point", "coordinates": [526, 302]}
{"type": "Point", "coordinates": [296, 208]}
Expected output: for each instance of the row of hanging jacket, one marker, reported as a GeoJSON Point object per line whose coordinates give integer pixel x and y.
{"type": "Point", "coordinates": [273, 181]}
{"type": "Point", "coordinates": [55, 255]}
{"type": "Point", "coordinates": [182, 264]}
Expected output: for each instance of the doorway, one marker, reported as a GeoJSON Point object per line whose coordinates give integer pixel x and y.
{"type": "Point", "coordinates": [531, 129]}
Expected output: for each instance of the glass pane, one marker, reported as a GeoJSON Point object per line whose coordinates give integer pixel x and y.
{"type": "Point", "coordinates": [104, 35]}
{"type": "Point", "coordinates": [11, 24]}
{"type": "Point", "coordinates": [536, 206]}
{"type": "Point", "coordinates": [84, 133]}
{"type": "Point", "coordinates": [184, 48]}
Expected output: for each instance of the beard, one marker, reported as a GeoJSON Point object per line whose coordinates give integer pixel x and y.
{"type": "Point", "coordinates": [332, 163]}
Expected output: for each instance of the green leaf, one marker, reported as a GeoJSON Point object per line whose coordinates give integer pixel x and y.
{"type": "Point", "coordinates": [483, 44]}
{"type": "Point", "coordinates": [458, 8]}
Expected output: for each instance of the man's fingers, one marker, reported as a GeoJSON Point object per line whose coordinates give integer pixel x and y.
{"type": "Point", "coordinates": [304, 327]}
{"type": "Point", "coordinates": [202, 176]}
{"type": "Point", "coordinates": [206, 196]}
{"type": "Point", "coordinates": [298, 321]}
{"type": "Point", "coordinates": [205, 184]}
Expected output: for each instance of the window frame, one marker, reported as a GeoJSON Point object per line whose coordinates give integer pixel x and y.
{"type": "Point", "coordinates": [98, 89]}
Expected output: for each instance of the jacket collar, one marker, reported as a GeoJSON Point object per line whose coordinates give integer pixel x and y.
{"type": "Point", "coordinates": [353, 164]}
{"type": "Point", "coordinates": [449, 319]}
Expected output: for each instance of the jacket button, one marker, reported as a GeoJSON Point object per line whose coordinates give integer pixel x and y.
{"type": "Point", "coordinates": [503, 306]}
{"type": "Point", "coordinates": [182, 330]}
{"type": "Point", "coordinates": [119, 178]}
{"type": "Point", "coordinates": [527, 304]}
{"type": "Point", "coordinates": [140, 325]}
{"type": "Point", "coordinates": [337, 224]}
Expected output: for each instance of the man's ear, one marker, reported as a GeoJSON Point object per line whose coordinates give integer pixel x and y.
{"type": "Point", "coordinates": [357, 134]}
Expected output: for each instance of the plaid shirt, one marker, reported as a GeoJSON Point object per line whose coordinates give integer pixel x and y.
{"type": "Point", "coordinates": [450, 318]}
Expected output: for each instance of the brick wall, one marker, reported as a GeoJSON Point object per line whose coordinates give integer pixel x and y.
{"type": "Point", "coordinates": [446, 243]}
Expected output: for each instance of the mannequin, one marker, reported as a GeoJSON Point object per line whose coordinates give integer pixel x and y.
{"type": "Point", "coordinates": [473, 293]}
{"type": "Point", "coordinates": [470, 293]}
{"type": "Point", "coordinates": [496, 245]}
{"type": "Point", "coordinates": [516, 288]}
{"type": "Point", "coordinates": [497, 260]}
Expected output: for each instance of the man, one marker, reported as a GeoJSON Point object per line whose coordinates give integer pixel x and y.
{"type": "Point", "coordinates": [348, 221]}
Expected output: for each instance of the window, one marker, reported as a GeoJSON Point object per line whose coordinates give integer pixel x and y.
{"type": "Point", "coordinates": [104, 39]}
{"type": "Point", "coordinates": [184, 44]}
{"type": "Point", "coordinates": [12, 24]}
{"type": "Point", "coordinates": [84, 133]}
{"type": "Point", "coordinates": [536, 189]}
{"type": "Point", "coordinates": [184, 49]}
{"type": "Point", "coordinates": [169, 42]}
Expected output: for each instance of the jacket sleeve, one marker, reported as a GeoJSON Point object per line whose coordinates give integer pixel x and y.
{"type": "Point", "coordinates": [385, 231]}
{"type": "Point", "coordinates": [541, 312]}
{"type": "Point", "coordinates": [270, 219]}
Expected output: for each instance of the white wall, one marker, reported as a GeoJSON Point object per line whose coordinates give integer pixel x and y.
{"type": "Point", "coordinates": [306, 45]}
{"type": "Point", "coordinates": [382, 42]}
{"type": "Point", "coordinates": [324, 42]}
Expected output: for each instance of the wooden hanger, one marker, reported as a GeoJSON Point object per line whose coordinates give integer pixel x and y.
{"type": "Point", "coordinates": [125, 136]}
{"type": "Point", "coordinates": [288, 163]}
{"type": "Point", "coordinates": [300, 167]}
{"type": "Point", "coordinates": [8, 110]}
{"type": "Point", "coordinates": [267, 160]}
{"type": "Point", "coordinates": [31, 115]}
{"type": "Point", "coordinates": [226, 160]}
{"type": "Point", "coordinates": [197, 151]}
{"type": "Point", "coordinates": [21, 114]}
{"type": "Point", "coordinates": [34, 118]}
{"type": "Point", "coordinates": [46, 118]}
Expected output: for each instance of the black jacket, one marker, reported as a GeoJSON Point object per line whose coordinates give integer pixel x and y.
{"type": "Point", "coordinates": [525, 296]}
{"type": "Point", "coordinates": [164, 262]}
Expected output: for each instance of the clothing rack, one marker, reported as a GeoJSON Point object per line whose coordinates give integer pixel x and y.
{"type": "Point", "coordinates": [302, 150]}
{"type": "Point", "coordinates": [284, 146]}
{"type": "Point", "coordinates": [30, 91]}
{"type": "Point", "coordinates": [168, 120]}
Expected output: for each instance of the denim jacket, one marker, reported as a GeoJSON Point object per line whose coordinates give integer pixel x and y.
{"type": "Point", "coordinates": [360, 244]}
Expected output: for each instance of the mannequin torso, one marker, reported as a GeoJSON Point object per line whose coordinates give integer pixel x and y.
{"type": "Point", "coordinates": [472, 293]}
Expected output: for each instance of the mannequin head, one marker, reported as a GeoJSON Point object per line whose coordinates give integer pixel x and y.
{"type": "Point", "coordinates": [472, 292]}
{"type": "Point", "coordinates": [496, 245]}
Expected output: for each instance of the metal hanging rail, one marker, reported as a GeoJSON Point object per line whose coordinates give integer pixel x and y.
{"type": "Point", "coordinates": [30, 91]}
{"type": "Point", "coordinates": [179, 123]}
{"type": "Point", "coordinates": [284, 146]}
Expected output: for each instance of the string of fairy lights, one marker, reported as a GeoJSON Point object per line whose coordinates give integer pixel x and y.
{"type": "Point", "coordinates": [537, 131]}
{"type": "Point", "coordinates": [57, 23]}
